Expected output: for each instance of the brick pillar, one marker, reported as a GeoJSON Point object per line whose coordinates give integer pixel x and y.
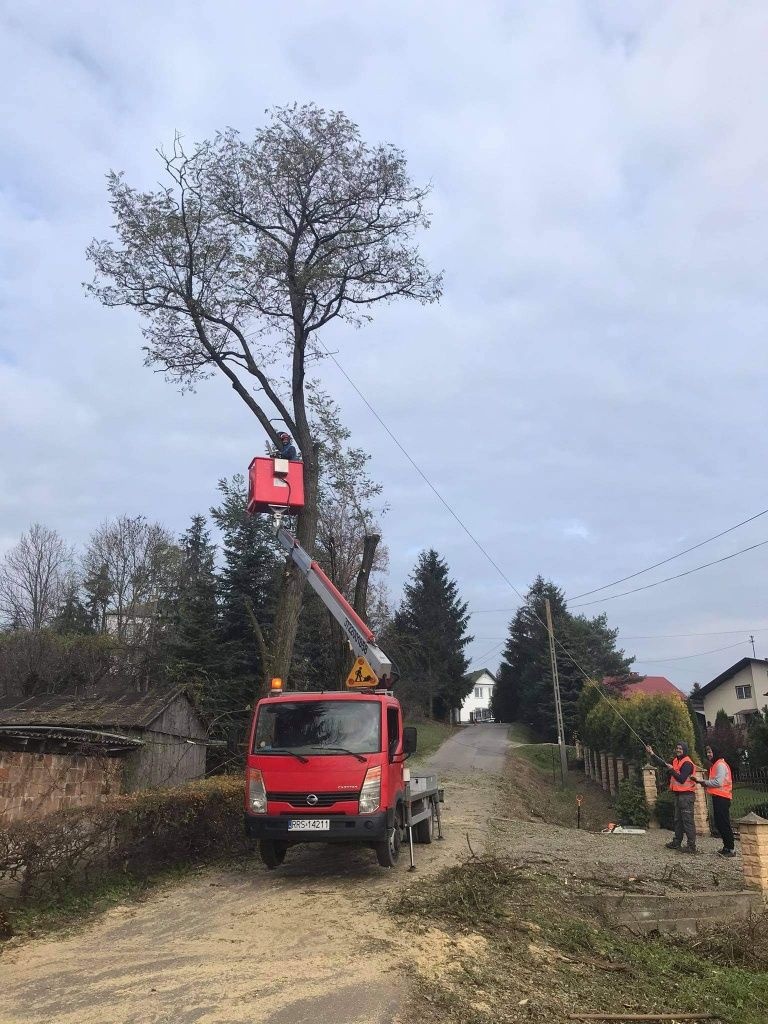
{"type": "Point", "coordinates": [610, 762]}
{"type": "Point", "coordinates": [754, 849]}
{"type": "Point", "coordinates": [579, 749]}
{"type": "Point", "coordinates": [700, 809]}
{"type": "Point", "coordinates": [587, 762]}
{"type": "Point", "coordinates": [649, 788]}
{"type": "Point", "coordinates": [595, 766]}
{"type": "Point", "coordinates": [604, 770]}
{"type": "Point", "coordinates": [620, 771]}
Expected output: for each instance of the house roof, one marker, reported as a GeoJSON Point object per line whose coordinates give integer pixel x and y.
{"type": "Point", "coordinates": [472, 677]}
{"type": "Point", "coordinates": [111, 707]}
{"type": "Point", "coordinates": [652, 686]}
{"type": "Point", "coordinates": [729, 672]}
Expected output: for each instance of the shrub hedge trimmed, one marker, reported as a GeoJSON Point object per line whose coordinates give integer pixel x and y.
{"type": "Point", "coordinates": [134, 834]}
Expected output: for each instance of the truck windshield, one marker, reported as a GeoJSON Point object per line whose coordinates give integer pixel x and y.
{"type": "Point", "coordinates": [308, 726]}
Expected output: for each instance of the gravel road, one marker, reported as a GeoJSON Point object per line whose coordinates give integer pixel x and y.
{"type": "Point", "coordinates": [308, 944]}
{"type": "Point", "coordinates": [477, 748]}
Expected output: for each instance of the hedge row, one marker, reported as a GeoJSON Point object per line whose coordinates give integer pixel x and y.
{"type": "Point", "coordinates": [661, 721]}
{"type": "Point", "coordinates": [134, 834]}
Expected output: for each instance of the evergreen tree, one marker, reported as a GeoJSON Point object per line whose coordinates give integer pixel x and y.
{"type": "Point", "coordinates": [758, 740]}
{"type": "Point", "coordinates": [429, 636]}
{"type": "Point", "coordinates": [729, 739]}
{"type": "Point", "coordinates": [98, 589]}
{"type": "Point", "coordinates": [73, 617]}
{"type": "Point", "coordinates": [524, 691]}
{"type": "Point", "coordinates": [248, 584]}
{"type": "Point", "coordinates": [696, 724]}
{"type": "Point", "coordinates": [193, 647]}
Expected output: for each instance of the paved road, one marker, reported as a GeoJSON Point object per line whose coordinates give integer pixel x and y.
{"type": "Point", "coordinates": [476, 748]}
{"type": "Point", "coordinates": [311, 943]}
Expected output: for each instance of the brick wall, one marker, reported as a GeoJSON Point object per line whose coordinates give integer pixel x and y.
{"type": "Point", "coordinates": [36, 784]}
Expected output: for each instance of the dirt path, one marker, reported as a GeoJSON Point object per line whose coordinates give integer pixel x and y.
{"type": "Point", "coordinates": [309, 943]}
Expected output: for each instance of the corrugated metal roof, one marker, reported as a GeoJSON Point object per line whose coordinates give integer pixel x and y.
{"type": "Point", "coordinates": [114, 706]}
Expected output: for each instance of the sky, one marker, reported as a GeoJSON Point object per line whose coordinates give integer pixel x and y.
{"type": "Point", "coordinates": [589, 395]}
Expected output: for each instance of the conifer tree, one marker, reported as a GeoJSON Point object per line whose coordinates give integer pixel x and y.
{"type": "Point", "coordinates": [429, 636]}
{"type": "Point", "coordinates": [248, 587]}
{"type": "Point", "coordinates": [524, 691]}
{"type": "Point", "coordinates": [194, 646]}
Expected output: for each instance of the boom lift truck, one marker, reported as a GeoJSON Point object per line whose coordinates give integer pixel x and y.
{"type": "Point", "coordinates": [329, 766]}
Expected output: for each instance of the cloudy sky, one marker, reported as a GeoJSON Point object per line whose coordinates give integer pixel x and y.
{"type": "Point", "coordinates": [590, 394]}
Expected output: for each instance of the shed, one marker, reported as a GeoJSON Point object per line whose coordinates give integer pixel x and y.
{"type": "Point", "coordinates": [61, 750]}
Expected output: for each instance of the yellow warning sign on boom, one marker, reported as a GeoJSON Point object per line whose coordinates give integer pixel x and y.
{"type": "Point", "coordinates": [361, 676]}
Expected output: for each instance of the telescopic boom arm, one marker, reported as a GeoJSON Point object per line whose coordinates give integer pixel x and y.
{"type": "Point", "coordinates": [360, 637]}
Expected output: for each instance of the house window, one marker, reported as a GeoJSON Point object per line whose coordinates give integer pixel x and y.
{"type": "Point", "coordinates": [743, 692]}
{"type": "Point", "coordinates": [478, 691]}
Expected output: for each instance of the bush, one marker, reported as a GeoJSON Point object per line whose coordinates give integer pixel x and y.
{"type": "Point", "coordinates": [134, 834]}
{"type": "Point", "coordinates": [630, 807]}
{"type": "Point", "coordinates": [665, 809]}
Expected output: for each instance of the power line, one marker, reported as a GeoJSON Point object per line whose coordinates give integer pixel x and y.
{"type": "Point", "coordinates": [487, 654]}
{"type": "Point", "coordinates": [472, 537]}
{"type": "Point", "coordinates": [648, 586]}
{"type": "Point", "coordinates": [676, 636]}
{"type": "Point", "coordinates": [671, 557]}
{"type": "Point", "coordinates": [684, 657]}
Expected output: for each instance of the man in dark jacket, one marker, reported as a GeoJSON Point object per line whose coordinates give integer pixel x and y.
{"type": "Point", "coordinates": [287, 449]}
{"type": "Point", "coordinates": [683, 785]}
{"type": "Point", "coordinates": [719, 785]}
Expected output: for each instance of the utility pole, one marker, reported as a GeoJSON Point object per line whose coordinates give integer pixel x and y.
{"type": "Point", "coordinates": [556, 686]}
{"type": "Point", "coordinates": [753, 646]}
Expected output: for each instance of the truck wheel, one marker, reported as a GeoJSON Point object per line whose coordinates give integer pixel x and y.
{"type": "Point", "coordinates": [388, 852]}
{"type": "Point", "coordinates": [424, 830]}
{"type": "Point", "coordinates": [272, 853]}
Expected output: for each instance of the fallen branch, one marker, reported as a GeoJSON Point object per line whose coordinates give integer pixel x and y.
{"type": "Point", "coordinates": [641, 1016]}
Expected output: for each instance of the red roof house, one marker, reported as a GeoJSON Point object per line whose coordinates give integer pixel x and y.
{"type": "Point", "coordinates": [652, 686]}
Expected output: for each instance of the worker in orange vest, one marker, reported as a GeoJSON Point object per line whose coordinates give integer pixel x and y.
{"type": "Point", "coordinates": [719, 785]}
{"type": "Point", "coordinates": [683, 785]}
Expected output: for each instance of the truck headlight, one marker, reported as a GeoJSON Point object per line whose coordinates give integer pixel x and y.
{"type": "Point", "coordinates": [256, 799]}
{"type": "Point", "coordinates": [370, 794]}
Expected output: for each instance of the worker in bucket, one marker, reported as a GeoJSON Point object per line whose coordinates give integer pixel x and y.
{"type": "Point", "coordinates": [286, 448]}
{"type": "Point", "coordinates": [683, 785]}
{"type": "Point", "coordinates": [719, 785]}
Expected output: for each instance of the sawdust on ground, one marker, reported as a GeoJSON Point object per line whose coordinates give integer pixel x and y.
{"type": "Point", "coordinates": [309, 943]}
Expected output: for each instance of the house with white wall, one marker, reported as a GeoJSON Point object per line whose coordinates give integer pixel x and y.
{"type": "Point", "coordinates": [477, 703]}
{"type": "Point", "coordinates": [741, 691]}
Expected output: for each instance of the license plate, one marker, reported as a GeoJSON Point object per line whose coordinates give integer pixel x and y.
{"type": "Point", "coordinates": [309, 825]}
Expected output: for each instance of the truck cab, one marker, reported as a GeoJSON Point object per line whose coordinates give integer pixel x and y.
{"type": "Point", "coordinates": [328, 767]}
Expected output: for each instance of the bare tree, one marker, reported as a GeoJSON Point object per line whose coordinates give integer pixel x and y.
{"type": "Point", "coordinates": [250, 250]}
{"type": "Point", "coordinates": [130, 570]}
{"type": "Point", "coordinates": [34, 576]}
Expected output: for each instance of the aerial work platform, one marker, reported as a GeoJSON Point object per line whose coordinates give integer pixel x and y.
{"type": "Point", "coordinates": [274, 482]}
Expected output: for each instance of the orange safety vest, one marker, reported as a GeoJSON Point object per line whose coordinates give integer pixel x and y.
{"type": "Point", "coordinates": [726, 789]}
{"type": "Point", "coordinates": [689, 786]}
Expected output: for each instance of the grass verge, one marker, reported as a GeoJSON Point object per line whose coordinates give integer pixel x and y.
{"type": "Point", "coordinates": [431, 736]}
{"type": "Point", "coordinates": [520, 733]}
{"type": "Point", "coordinates": [513, 945]}
{"type": "Point", "coordinates": [70, 908]}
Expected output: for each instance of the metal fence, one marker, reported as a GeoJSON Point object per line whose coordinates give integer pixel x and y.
{"type": "Point", "coordinates": [750, 793]}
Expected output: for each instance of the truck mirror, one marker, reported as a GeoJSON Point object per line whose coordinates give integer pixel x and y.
{"type": "Point", "coordinates": [409, 740]}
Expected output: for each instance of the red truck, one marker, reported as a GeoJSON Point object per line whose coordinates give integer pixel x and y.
{"type": "Point", "coordinates": [329, 766]}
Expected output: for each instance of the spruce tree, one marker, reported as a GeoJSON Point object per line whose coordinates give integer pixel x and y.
{"type": "Point", "coordinates": [248, 587]}
{"type": "Point", "coordinates": [524, 691]}
{"type": "Point", "coordinates": [429, 633]}
{"type": "Point", "coordinates": [194, 643]}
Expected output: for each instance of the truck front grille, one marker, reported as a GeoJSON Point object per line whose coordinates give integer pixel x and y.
{"type": "Point", "coordinates": [323, 799]}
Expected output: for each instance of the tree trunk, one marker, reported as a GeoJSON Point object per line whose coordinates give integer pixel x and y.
{"type": "Point", "coordinates": [370, 543]}
{"type": "Point", "coordinates": [292, 585]}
